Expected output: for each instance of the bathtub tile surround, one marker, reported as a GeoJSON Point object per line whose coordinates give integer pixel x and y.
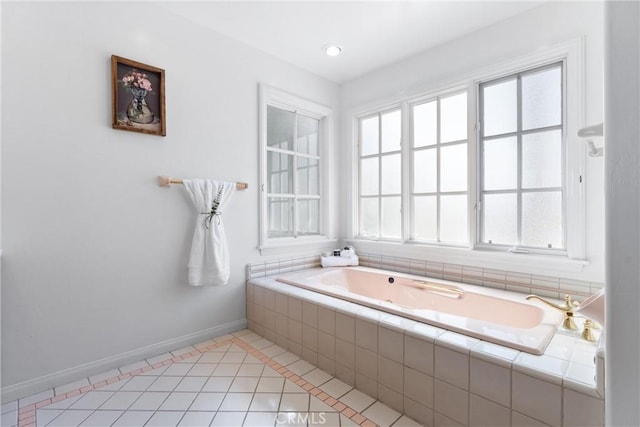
{"type": "Point", "coordinates": [440, 377]}
{"type": "Point", "coordinates": [235, 380]}
{"type": "Point", "coordinates": [552, 287]}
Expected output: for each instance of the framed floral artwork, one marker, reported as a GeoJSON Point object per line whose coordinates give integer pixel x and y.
{"type": "Point", "coordinates": [138, 97]}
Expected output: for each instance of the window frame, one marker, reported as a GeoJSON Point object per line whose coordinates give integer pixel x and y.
{"type": "Point", "coordinates": [271, 96]}
{"type": "Point", "coordinates": [519, 133]}
{"type": "Point", "coordinates": [573, 259]}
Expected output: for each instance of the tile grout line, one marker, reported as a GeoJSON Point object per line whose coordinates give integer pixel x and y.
{"type": "Point", "coordinates": [27, 414]}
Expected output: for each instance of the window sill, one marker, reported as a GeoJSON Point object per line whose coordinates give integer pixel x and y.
{"type": "Point", "coordinates": [547, 265]}
{"type": "Point", "coordinates": [301, 244]}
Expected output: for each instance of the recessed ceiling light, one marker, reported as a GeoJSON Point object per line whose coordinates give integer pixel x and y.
{"type": "Point", "coordinates": [332, 49]}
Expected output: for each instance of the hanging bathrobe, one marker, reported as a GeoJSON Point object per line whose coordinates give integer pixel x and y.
{"type": "Point", "coordinates": [209, 259]}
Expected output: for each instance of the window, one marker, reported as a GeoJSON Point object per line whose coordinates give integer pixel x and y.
{"type": "Point", "coordinates": [522, 160]}
{"type": "Point", "coordinates": [490, 163]}
{"type": "Point", "coordinates": [381, 175]}
{"type": "Point", "coordinates": [293, 137]}
{"type": "Point", "coordinates": [439, 188]}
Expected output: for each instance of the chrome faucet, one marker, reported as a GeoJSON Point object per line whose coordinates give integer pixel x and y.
{"type": "Point", "coordinates": [567, 308]}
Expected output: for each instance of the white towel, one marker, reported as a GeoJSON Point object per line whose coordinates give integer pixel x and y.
{"type": "Point", "coordinates": [338, 261]}
{"type": "Point", "coordinates": [209, 259]}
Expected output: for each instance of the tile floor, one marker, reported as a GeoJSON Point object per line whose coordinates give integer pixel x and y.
{"type": "Point", "coordinates": [236, 380]}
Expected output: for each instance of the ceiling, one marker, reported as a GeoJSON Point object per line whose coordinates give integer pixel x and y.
{"type": "Point", "coordinates": [373, 34]}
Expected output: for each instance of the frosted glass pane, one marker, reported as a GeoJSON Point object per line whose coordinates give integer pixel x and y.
{"type": "Point", "coordinates": [308, 176]}
{"type": "Point", "coordinates": [369, 217]}
{"type": "Point", "coordinates": [308, 135]}
{"type": "Point", "coordinates": [425, 217]}
{"type": "Point", "coordinates": [308, 216]}
{"type": "Point", "coordinates": [391, 174]}
{"type": "Point", "coordinates": [542, 159]}
{"type": "Point", "coordinates": [280, 217]}
{"type": "Point", "coordinates": [500, 219]}
{"type": "Point", "coordinates": [542, 219]}
{"type": "Point", "coordinates": [453, 219]}
{"type": "Point", "coordinates": [453, 168]}
{"type": "Point", "coordinates": [500, 164]}
{"type": "Point", "coordinates": [425, 124]}
{"type": "Point", "coordinates": [369, 137]}
{"type": "Point", "coordinates": [453, 118]}
{"type": "Point", "coordinates": [391, 217]}
{"type": "Point", "coordinates": [500, 108]}
{"type": "Point", "coordinates": [280, 128]}
{"type": "Point", "coordinates": [369, 176]}
{"type": "Point", "coordinates": [542, 99]}
{"type": "Point", "coordinates": [425, 171]}
{"type": "Point", "coordinates": [391, 131]}
{"type": "Point", "coordinates": [279, 173]}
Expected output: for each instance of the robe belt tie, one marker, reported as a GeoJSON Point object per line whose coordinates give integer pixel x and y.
{"type": "Point", "coordinates": [209, 218]}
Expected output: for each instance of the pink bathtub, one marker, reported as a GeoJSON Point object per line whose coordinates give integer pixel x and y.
{"type": "Point", "coordinates": [492, 315]}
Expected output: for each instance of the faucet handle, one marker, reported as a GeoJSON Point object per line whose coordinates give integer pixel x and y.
{"type": "Point", "coordinates": [587, 332]}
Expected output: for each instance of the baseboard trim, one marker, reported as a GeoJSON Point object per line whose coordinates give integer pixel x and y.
{"type": "Point", "coordinates": [66, 376]}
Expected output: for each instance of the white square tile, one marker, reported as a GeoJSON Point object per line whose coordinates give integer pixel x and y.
{"type": "Point", "coordinates": [92, 400]}
{"type": "Point", "coordinates": [483, 412]}
{"type": "Point", "coordinates": [121, 400]}
{"type": "Point", "coordinates": [345, 327]}
{"type": "Point", "coordinates": [196, 419]}
{"type": "Point", "coordinates": [390, 373]}
{"type": "Point", "coordinates": [581, 410]}
{"type": "Point", "coordinates": [227, 419]}
{"type": "Point", "coordinates": [418, 354]}
{"type": "Point", "coordinates": [346, 422]}
{"type": "Point", "coordinates": [367, 385]}
{"type": "Point", "coordinates": [250, 360]}
{"type": "Point", "coordinates": [295, 309]}
{"type": "Point", "coordinates": [9, 406]}
{"type": "Point", "coordinates": [286, 358]}
{"type": "Point", "coordinates": [206, 369]}
{"type": "Point", "coordinates": [178, 401]}
{"type": "Point", "coordinates": [224, 370]}
{"type": "Point", "coordinates": [178, 369]}
{"type": "Point", "coordinates": [149, 401]}
{"type": "Point", "coordinates": [102, 418]}
{"type": "Point", "coordinates": [335, 388]}
{"type": "Point", "coordinates": [272, 351]}
{"type": "Point", "coordinates": [366, 363]}
{"type": "Point", "coordinates": [405, 421]}
{"type": "Point", "coordinates": [440, 420]}
{"type": "Point", "coordinates": [43, 417]}
{"type": "Point", "coordinates": [291, 387]}
{"type": "Point", "coordinates": [165, 419]}
{"type": "Point", "coordinates": [270, 385]}
{"type": "Point", "coordinates": [191, 384]}
{"type": "Point", "coordinates": [418, 412]}
{"type": "Point", "coordinates": [265, 402]}
{"type": "Point", "coordinates": [301, 367]}
{"type": "Point", "coordinates": [244, 385]}
{"type": "Point", "coordinates": [391, 398]}
{"type": "Point", "coordinates": [317, 377]}
{"type": "Point", "coordinates": [519, 420]}
{"type": "Point", "coordinates": [418, 386]}
{"type": "Point", "coordinates": [391, 344]}
{"type": "Point", "coordinates": [295, 331]}
{"type": "Point", "coordinates": [317, 405]}
{"type": "Point", "coordinates": [64, 404]}
{"type": "Point", "coordinates": [233, 357]}
{"type": "Point", "coordinates": [269, 372]}
{"type": "Point", "coordinates": [324, 419]}
{"type": "Point", "coordinates": [164, 384]}
{"type": "Point", "coordinates": [10, 418]}
{"type": "Point", "coordinates": [452, 367]}
{"type": "Point", "coordinates": [207, 402]}
{"type": "Point", "coordinates": [490, 381]}
{"type": "Point", "coordinates": [133, 418]}
{"type": "Point", "coordinates": [211, 357]}
{"type": "Point", "coordinates": [261, 343]}
{"type": "Point", "coordinates": [381, 414]}
{"type": "Point", "coordinates": [327, 345]}
{"type": "Point", "coordinates": [294, 402]}
{"type": "Point", "coordinates": [357, 400]}
{"type": "Point", "coordinates": [138, 383]}
{"type": "Point", "coordinates": [326, 320]}
{"type": "Point", "coordinates": [345, 353]}
{"type": "Point", "coordinates": [346, 374]}
{"type": "Point", "coordinates": [250, 370]}
{"type": "Point", "coordinates": [310, 337]}
{"type": "Point", "coordinates": [451, 401]}
{"type": "Point", "coordinates": [236, 402]}
{"type": "Point", "coordinates": [537, 399]}
{"type": "Point", "coordinates": [260, 419]}
{"type": "Point", "coordinates": [367, 334]}
{"type": "Point", "coordinates": [310, 314]}
{"type": "Point", "coordinates": [70, 418]}
{"type": "Point", "coordinates": [217, 384]}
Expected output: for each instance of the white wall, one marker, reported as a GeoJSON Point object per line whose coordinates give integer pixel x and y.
{"type": "Point", "coordinates": [540, 28]}
{"type": "Point", "coordinates": [94, 252]}
{"type": "Point", "coordinates": [622, 130]}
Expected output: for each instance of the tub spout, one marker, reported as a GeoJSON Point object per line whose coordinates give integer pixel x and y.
{"type": "Point", "coordinates": [566, 308]}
